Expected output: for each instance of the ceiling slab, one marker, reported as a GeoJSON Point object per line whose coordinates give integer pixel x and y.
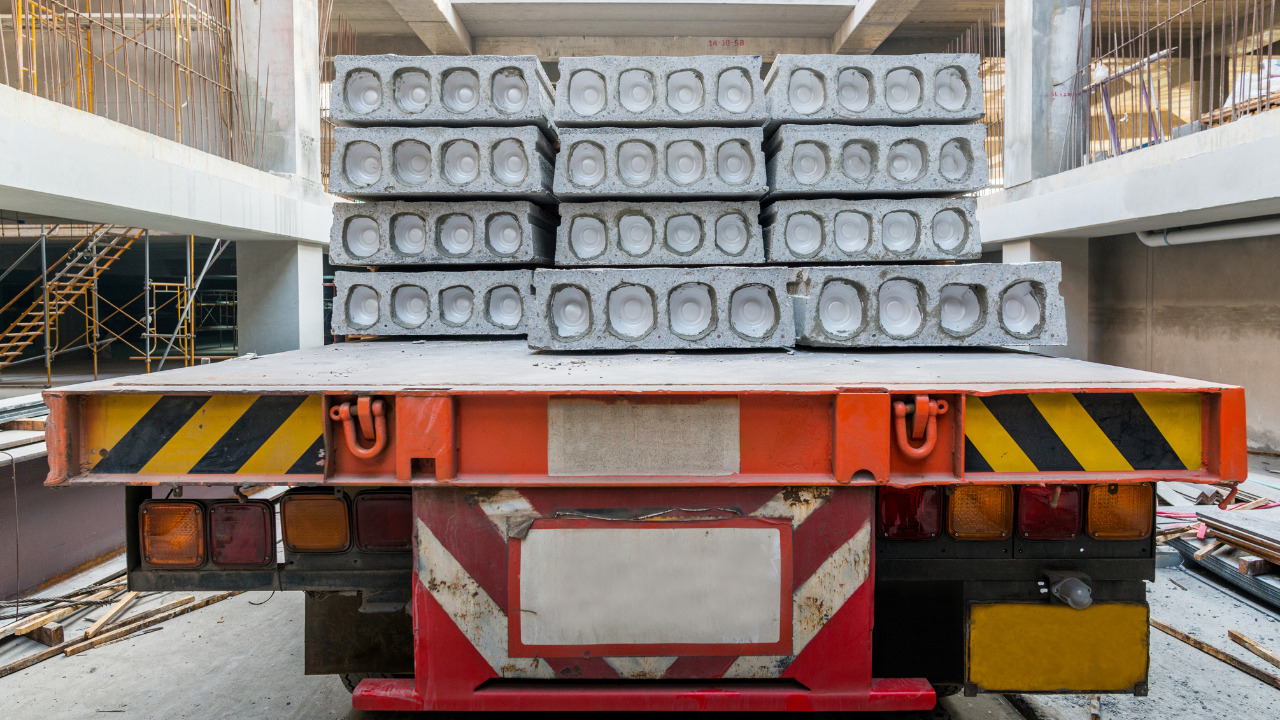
{"type": "Point", "coordinates": [656, 18]}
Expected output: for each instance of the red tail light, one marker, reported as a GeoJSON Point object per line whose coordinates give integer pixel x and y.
{"type": "Point", "coordinates": [384, 521]}
{"type": "Point", "coordinates": [242, 534]}
{"type": "Point", "coordinates": [1049, 512]}
{"type": "Point", "coordinates": [909, 513]}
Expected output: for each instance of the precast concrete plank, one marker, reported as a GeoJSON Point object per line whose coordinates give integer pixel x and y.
{"type": "Point", "coordinates": [931, 89]}
{"type": "Point", "coordinates": [477, 232]}
{"type": "Point", "coordinates": [661, 309]}
{"type": "Point", "coordinates": [723, 90]}
{"type": "Point", "coordinates": [708, 232]}
{"type": "Point", "coordinates": [446, 90]}
{"type": "Point", "coordinates": [872, 230]}
{"type": "Point", "coordinates": [660, 163]}
{"type": "Point", "coordinates": [473, 302]}
{"type": "Point", "coordinates": [442, 162]}
{"type": "Point", "coordinates": [850, 160]}
{"type": "Point", "coordinates": [930, 305]}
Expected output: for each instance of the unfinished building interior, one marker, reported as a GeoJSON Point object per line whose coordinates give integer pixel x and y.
{"type": "Point", "coordinates": [186, 182]}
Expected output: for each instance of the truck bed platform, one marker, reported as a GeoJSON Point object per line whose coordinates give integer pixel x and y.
{"type": "Point", "coordinates": [510, 367]}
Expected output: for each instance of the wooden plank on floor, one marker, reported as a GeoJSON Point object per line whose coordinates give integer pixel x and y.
{"type": "Point", "coordinates": [111, 614]}
{"type": "Point", "coordinates": [1254, 647]}
{"type": "Point", "coordinates": [107, 637]}
{"type": "Point", "coordinates": [1225, 657]}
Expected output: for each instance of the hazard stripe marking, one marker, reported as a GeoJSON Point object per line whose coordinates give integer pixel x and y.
{"type": "Point", "coordinates": [1027, 427]}
{"type": "Point", "coordinates": [147, 436]}
{"type": "Point", "coordinates": [1078, 432]}
{"type": "Point", "coordinates": [460, 596]}
{"type": "Point", "coordinates": [1127, 425]}
{"type": "Point", "coordinates": [234, 448]}
{"type": "Point", "coordinates": [1091, 432]}
{"type": "Point", "coordinates": [289, 442]}
{"type": "Point", "coordinates": [815, 601]}
{"type": "Point", "coordinates": [107, 422]}
{"type": "Point", "coordinates": [312, 460]}
{"type": "Point", "coordinates": [194, 439]}
{"type": "Point", "coordinates": [1177, 417]}
{"type": "Point", "coordinates": [204, 435]}
{"type": "Point", "coordinates": [973, 460]}
{"type": "Point", "coordinates": [463, 544]}
{"type": "Point", "coordinates": [999, 450]}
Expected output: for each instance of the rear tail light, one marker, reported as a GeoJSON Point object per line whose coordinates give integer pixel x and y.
{"type": "Point", "coordinates": [1049, 512]}
{"type": "Point", "coordinates": [1119, 512]}
{"type": "Point", "coordinates": [980, 512]}
{"type": "Point", "coordinates": [913, 513]}
{"type": "Point", "coordinates": [384, 521]}
{"type": "Point", "coordinates": [315, 523]}
{"type": "Point", "coordinates": [242, 534]}
{"type": "Point", "coordinates": [172, 534]}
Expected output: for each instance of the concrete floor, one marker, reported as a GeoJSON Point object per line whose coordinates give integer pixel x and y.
{"type": "Point", "coordinates": [30, 377]}
{"type": "Point", "coordinates": [236, 659]}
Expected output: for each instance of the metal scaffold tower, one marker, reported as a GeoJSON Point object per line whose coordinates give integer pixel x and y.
{"type": "Point", "coordinates": [70, 284]}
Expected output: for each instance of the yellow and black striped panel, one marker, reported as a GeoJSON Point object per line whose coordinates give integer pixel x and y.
{"type": "Point", "coordinates": [1089, 432]}
{"type": "Point", "coordinates": [204, 435]}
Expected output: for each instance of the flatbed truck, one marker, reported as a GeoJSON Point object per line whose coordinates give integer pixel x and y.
{"type": "Point", "coordinates": [481, 527]}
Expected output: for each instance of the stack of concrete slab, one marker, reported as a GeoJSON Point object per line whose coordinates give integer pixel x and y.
{"type": "Point", "coordinates": [663, 160]}
{"type": "Point", "coordinates": [451, 158]}
{"type": "Point", "coordinates": [869, 159]}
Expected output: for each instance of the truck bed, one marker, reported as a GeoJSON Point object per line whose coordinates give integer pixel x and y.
{"type": "Point", "coordinates": [509, 366]}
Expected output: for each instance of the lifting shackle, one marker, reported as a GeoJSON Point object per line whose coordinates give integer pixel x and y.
{"type": "Point", "coordinates": [371, 415]}
{"type": "Point", "coordinates": [924, 424]}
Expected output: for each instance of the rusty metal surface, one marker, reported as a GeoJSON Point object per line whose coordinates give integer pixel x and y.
{"type": "Point", "coordinates": [509, 366]}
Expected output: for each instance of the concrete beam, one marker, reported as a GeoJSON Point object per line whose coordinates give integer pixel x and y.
{"type": "Point", "coordinates": [869, 24]}
{"type": "Point", "coordinates": [1226, 173]}
{"type": "Point", "coordinates": [63, 162]}
{"type": "Point", "coordinates": [551, 49]}
{"type": "Point", "coordinates": [436, 22]}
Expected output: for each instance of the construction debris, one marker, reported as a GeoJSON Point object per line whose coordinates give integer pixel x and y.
{"type": "Point", "coordinates": [51, 621]}
{"type": "Point", "coordinates": [1225, 657]}
{"type": "Point", "coordinates": [1254, 647]}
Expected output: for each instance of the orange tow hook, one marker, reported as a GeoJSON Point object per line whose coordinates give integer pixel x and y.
{"type": "Point", "coordinates": [371, 414]}
{"type": "Point", "coordinates": [924, 424]}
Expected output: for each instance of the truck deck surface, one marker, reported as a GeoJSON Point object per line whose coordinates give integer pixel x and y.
{"type": "Point", "coordinates": [509, 366]}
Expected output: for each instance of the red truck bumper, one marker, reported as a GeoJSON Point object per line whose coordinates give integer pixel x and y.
{"type": "Point", "coordinates": [471, 592]}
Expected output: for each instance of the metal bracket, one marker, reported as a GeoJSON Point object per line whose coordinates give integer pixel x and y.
{"type": "Point", "coordinates": [924, 424]}
{"type": "Point", "coordinates": [371, 415]}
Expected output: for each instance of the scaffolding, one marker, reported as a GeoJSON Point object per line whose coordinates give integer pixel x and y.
{"type": "Point", "coordinates": [68, 287]}
{"type": "Point", "coordinates": [172, 68]}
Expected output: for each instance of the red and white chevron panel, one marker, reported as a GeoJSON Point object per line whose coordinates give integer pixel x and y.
{"type": "Point", "coordinates": [750, 598]}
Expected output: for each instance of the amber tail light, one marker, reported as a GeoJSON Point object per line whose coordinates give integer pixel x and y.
{"type": "Point", "coordinates": [980, 512]}
{"type": "Point", "coordinates": [315, 523]}
{"type": "Point", "coordinates": [1119, 512]}
{"type": "Point", "coordinates": [172, 534]}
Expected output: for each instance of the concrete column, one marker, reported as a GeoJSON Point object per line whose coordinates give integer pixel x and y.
{"type": "Point", "coordinates": [280, 299]}
{"type": "Point", "coordinates": [1045, 42]}
{"type": "Point", "coordinates": [1073, 253]}
{"type": "Point", "coordinates": [280, 296]}
{"type": "Point", "coordinates": [280, 39]}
